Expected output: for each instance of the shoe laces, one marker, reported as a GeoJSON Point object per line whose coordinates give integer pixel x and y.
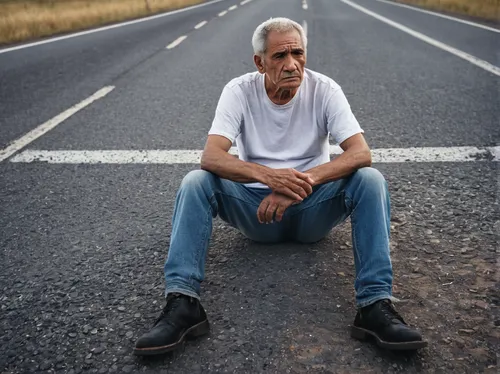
{"type": "Point", "coordinates": [389, 312]}
{"type": "Point", "coordinates": [173, 303]}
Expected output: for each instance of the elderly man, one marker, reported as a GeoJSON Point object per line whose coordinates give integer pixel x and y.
{"type": "Point", "coordinates": [282, 187]}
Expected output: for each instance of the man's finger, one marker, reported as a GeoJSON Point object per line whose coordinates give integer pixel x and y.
{"type": "Point", "coordinates": [261, 212]}
{"type": "Point", "coordinates": [300, 175]}
{"type": "Point", "coordinates": [279, 212]}
{"type": "Point", "coordinates": [306, 186]}
{"type": "Point", "coordinates": [295, 187]}
{"type": "Point", "coordinates": [290, 193]}
{"type": "Point", "coordinates": [304, 176]}
{"type": "Point", "coordinates": [271, 208]}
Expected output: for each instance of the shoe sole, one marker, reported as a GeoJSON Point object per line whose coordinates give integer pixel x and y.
{"type": "Point", "coordinates": [195, 331]}
{"type": "Point", "coordinates": [363, 334]}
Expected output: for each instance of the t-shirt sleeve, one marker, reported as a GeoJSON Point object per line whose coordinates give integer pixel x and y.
{"type": "Point", "coordinates": [228, 115]}
{"type": "Point", "coordinates": [341, 122]}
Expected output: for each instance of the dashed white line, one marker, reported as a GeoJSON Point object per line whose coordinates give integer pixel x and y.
{"type": "Point", "coordinates": [304, 26]}
{"type": "Point", "coordinates": [441, 15]}
{"type": "Point", "coordinates": [445, 47]}
{"type": "Point", "coordinates": [201, 24]}
{"type": "Point", "coordinates": [383, 155]}
{"type": "Point", "coordinates": [223, 13]}
{"type": "Point", "coordinates": [50, 124]}
{"type": "Point", "coordinates": [176, 42]}
{"type": "Point", "coordinates": [233, 7]}
{"type": "Point", "coordinates": [245, 2]}
{"type": "Point", "coordinates": [51, 40]}
{"type": "Point", "coordinates": [304, 5]}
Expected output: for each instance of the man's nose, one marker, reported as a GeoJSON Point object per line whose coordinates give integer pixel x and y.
{"type": "Point", "coordinates": [290, 64]}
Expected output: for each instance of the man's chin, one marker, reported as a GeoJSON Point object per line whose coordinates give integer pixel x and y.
{"type": "Point", "coordinates": [289, 84]}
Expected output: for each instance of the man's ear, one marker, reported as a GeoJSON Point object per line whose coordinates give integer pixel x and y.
{"type": "Point", "coordinates": [259, 63]}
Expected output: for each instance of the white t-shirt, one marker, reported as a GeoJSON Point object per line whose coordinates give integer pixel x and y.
{"type": "Point", "coordinates": [293, 135]}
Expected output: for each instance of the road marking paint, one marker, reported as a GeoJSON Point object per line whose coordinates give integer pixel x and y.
{"type": "Point", "coordinates": [233, 7]}
{"type": "Point", "coordinates": [304, 26]}
{"type": "Point", "coordinates": [55, 39]}
{"type": "Point", "coordinates": [472, 59]}
{"type": "Point", "coordinates": [245, 2]}
{"type": "Point", "coordinates": [221, 14]}
{"type": "Point", "coordinates": [495, 152]}
{"type": "Point", "coordinates": [176, 42]}
{"type": "Point", "coordinates": [436, 154]}
{"type": "Point", "coordinates": [382, 155]}
{"type": "Point", "coordinates": [304, 5]}
{"type": "Point", "coordinates": [50, 124]}
{"type": "Point", "coordinates": [201, 24]}
{"type": "Point", "coordinates": [441, 15]}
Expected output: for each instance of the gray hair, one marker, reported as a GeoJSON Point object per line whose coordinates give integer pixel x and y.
{"type": "Point", "coordinates": [280, 24]}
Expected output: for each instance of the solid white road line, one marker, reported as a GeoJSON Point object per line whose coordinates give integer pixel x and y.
{"type": "Point", "coordinates": [304, 26]}
{"type": "Point", "coordinates": [106, 27]}
{"type": "Point", "coordinates": [176, 42]}
{"type": "Point", "coordinates": [383, 155]}
{"type": "Point", "coordinates": [495, 151]}
{"type": "Point", "coordinates": [245, 2]}
{"type": "Point", "coordinates": [223, 13]}
{"type": "Point", "coordinates": [441, 15]}
{"type": "Point", "coordinates": [201, 24]}
{"type": "Point", "coordinates": [233, 7]}
{"type": "Point", "coordinates": [436, 154]}
{"type": "Point", "coordinates": [472, 59]}
{"type": "Point", "coordinates": [50, 124]}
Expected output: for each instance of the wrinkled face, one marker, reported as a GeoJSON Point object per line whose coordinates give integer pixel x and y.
{"type": "Point", "coordinates": [284, 60]}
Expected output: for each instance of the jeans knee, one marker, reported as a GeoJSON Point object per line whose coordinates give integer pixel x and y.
{"type": "Point", "coordinates": [196, 179]}
{"type": "Point", "coordinates": [371, 178]}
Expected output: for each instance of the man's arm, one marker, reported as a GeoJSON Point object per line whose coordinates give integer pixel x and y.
{"type": "Point", "coordinates": [356, 155]}
{"type": "Point", "coordinates": [217, 160]}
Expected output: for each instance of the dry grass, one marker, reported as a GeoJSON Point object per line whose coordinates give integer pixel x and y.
{"type": "Point", "coordinates": [22, 20]}
{"type": "Point", "coordinates": [486, 9]}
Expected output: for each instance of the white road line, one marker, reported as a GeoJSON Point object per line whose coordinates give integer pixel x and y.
{"type": "Point", "coordinates": [383, 155]}
{"type": "Point", "coordinates": [304, 26]}
{"type": "Point", "coordinates": [50, 124]}
{"type": "Point", "coordinates": [472, 59]}
{"type": "Point", "coordinates": [105, 27]}
{"type": "Point", "coordinates": [223, 13]}
{"type": "Point", "coordinates": [304, 5]}
{"type": "Point", "coordinates": [495, 151]}
{"type": "Point", "coordinates": [233, 7]}
{"type": "Point", "coordinates": [176, 42]}
{"type": "Point", "coordinates": [436, 154]}
{"type": "Point", "coordinates": [201, 24]}
{"type": "Point", "coordinates": [245, 2]}
{"type": "Point", "coordinates": [441, 15]}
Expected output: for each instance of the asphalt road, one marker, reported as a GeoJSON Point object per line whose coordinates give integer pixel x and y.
{"type": "Point", "coordinates": [83, 246]}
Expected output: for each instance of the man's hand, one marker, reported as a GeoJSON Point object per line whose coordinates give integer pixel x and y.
{"type": "Point", "coordinates": [290, 182]}
{"type": "Point", "coordinates": [274, 203]}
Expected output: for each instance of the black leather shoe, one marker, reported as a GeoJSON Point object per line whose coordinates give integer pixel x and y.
{"type": "Point", "coordinates": [183, 317]}
{"type": "Point", "coordinates": [381, 321]}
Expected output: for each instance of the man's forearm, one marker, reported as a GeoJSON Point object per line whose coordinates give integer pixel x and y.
{"type": "Point", "coordinates": [230, 167]}
{"type": "Point", "coordinates": [342, 166]}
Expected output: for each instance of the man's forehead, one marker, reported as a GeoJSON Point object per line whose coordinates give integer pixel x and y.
{"type": "Point", "coordinates": [282, 40]}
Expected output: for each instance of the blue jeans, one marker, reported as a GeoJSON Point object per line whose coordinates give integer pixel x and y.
{"type": "Point", "coordinates": [363, 195]}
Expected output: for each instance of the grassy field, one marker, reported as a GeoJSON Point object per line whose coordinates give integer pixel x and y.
{"type": "Point", "coordinates": [486, 9]}
{"type": "Point", "coordinates": [22, 20]}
